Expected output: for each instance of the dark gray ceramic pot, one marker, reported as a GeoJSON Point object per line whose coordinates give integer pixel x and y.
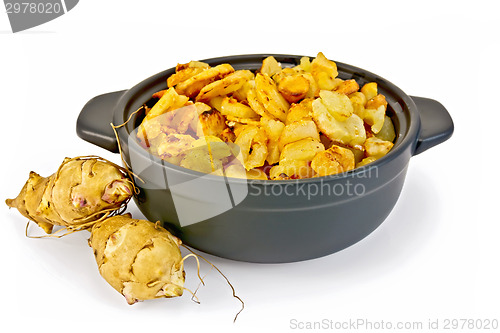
{"type": "Point", "coordinates": [268, 221]}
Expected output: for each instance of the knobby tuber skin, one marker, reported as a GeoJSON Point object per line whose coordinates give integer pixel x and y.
{"type": "Point", "coordinates": [83, 191]}
{"type": "Point", "coordinates": [138, 258]}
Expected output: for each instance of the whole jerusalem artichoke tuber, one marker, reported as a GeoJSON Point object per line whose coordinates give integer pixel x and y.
{"type": "Point", "coordinates": [138, 258]}
{"type": "Point", "coordinates": [81, 192]}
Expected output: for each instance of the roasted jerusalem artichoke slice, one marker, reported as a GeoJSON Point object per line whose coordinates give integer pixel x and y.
{"type": "Point", "coordinates": [333, 160]}
{"type": "Point", "coordinates": [192, 86]}
{"type": "Point", "coordinates": [350, 132]}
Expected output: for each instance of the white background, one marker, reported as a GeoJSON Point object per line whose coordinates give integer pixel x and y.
{"type": "Point", "coordinates": [435, 257]}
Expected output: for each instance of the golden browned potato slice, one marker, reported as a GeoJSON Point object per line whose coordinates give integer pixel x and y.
{"type": "Point", "coordinates": [270, 66]}
{"type": "Point", "coordinates": [333, 160]}
{"type": "Point", "coordinates": [256, 174]}
{"type": "Point", "coordinates": [257, 106]}
{"type": "Point", "coordinates": [377, 147]}
{"type": "Point", "coordinates": [192, 86]}
{"type": "Point", "coordinates": [293, 88]}
{"type": "Point", "coordinates": [227, 135]}
{"type": "Point", "coordinates": [235, 170]}
{"type": "Point", "coordinates": [366, 161]}
{"type": "Point", "coordinates": [218, 148]}
{"type": "Point", "coordinates": [148, 130]}
{"type": "Point", "coordinates": [252, 141]}
{"type": "Point", "coordinates": [227, 85]}
{"type": "Point", "coordinates": [324, 72]}
{"type": "Point", "coordinates": [347, 87]}
{"type": "Point", "coordinates": [202, 107]}
{"type": "Point", "coordinates": [183, 118]}
{"type": "Point", "coordinates": [298, 130]}
{"type": "Point", "coordinates": [375, 118]}
{"type": "Point", "coordinates": [191, 64]}
{"type": "Point", "coordinates": [300, 111]}
{"type": "Point", "coordinates": [207, 154]}
{"type": "Point", "coordinates": [303, 150]}
{"type": "Point", "coordinates": [236, 127]}
{"type": "Point", "coordinates": [158, 117]}
{"type": "Point", "coordinates": [231, 107]}
{"type": "Point", "coordinates": [387, 132]}
{"type": "Point", "coordinates": [198, 159]}
{"type": "Point", "coordinates": [155, 142]}
{"type": "Point", "coordinates": [241, 94]}
{"type": "Point", "coordinates": [284, 73]}
{"type": "Point", "coordinates": [291, 170]}
{"type": "Point", "coordinates": [304, 65]}
{"type": "Point", "coordinates": [258, 156]}
{"type": "Point", "coordinates": [211, 123]}
{"type": "Point", "coordinates": [350, 132]}
{"type": "Point", "coordinates": [195, 125]}
{"type": "Point", "coordinates": [313, 86]}
{"type": "Point", "coordinates": [245, 121]}
{"type": "Point", "coordinates": [376, 102]}
{"type": "Point", "coordinates": [171, 100]}
{"type": "Point", "coordinates": [337, 104]}
{"type": "Point", "coordinates": [359, 151]}
{"type": "Point", "coordinates": [216, 102]}
{"type": "Point", "coordinates": [273, 129]}
{"type": "Point", "coordinates": [270, 97]}
{"type": "Point", "coordinates": [370, 90]}
{"type": "Point", "coordinates": [186, 71]}
{"type": "Point", "coordinates": [358, 101]}
{"type": "Point", "coordinates": [175, 145]}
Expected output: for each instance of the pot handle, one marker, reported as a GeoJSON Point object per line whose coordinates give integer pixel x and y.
{"type": "Point", "coordinates": [436, 125]}
{"type": "Point", "coordinates": [93, 124]}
